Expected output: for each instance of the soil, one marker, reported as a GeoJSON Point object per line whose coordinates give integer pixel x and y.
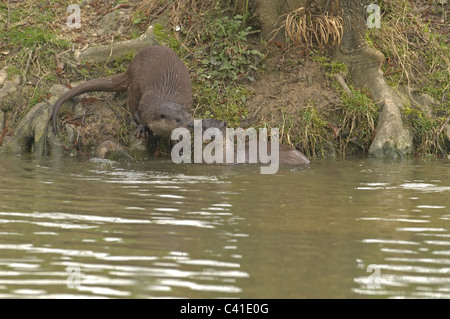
{"type": "Point", "coordinates": [287, 85]}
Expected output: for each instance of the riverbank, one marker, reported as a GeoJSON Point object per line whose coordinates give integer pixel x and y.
{"type": "Point", "coordinates": [236, 77]}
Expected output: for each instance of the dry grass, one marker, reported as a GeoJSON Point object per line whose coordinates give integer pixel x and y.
{"type": "Point", "coordinates": [175, 9]}
{"type": "Point", "coordinates": [311, 31]}
{"type": "Point", "coordinates": [415, 43]}
{"type": "Point", "coordinates": [408, 40]}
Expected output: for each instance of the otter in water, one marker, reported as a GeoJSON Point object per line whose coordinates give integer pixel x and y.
{"type": "Point", "coordinates": [287, 154]}
{"type": "Point", "coordinates": [159, 91]}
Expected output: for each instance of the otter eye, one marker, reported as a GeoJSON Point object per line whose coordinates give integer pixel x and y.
{"type": "Point", "coordinates": [163, 116]}
{"type": "Point", "coordinates": [178, 120]}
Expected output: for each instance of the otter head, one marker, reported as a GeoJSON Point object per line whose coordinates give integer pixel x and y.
{"type": "Point", "coordinates": [213, 123]}
{"type": "Point", "coordinates": [166, 118]}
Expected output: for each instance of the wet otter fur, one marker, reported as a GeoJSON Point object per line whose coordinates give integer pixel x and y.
{"type": "Point", "coordinates": [288, 155]}
{"type": "Point", "coordinates": [159, 91]}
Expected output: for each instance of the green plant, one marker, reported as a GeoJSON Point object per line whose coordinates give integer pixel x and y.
{"type": "Point", "coordinates": [219, 57]}
{"type": "Point", "coordinates": [313, 131]}
{"type": "Point", "coordinates": [223, 104]}
{"type": "Point", "coordinates": [245, 9]}
{"type": "Point", "coordinates": [138, 17]}
{"type": "Point", "coordinates": [36, 98]}
{"type": "Point", "coordinates": [359, 119]}
{"type": "Point", "coordinates": [22, 31]}
{"type": "Point", "coordinates": [223, 50]}
{"type": "Point", "coordinates": [331, 67]}
{"type": "Point", "coordinates": [416, 53]}
{"type": "Point", "coordinates": [11, 71]}
{"type": "Point", "coordinates": [429, 135]}
{"type": "Point", "coordinates": [121, 65]}
{"type": "Point", "coordinates": [167, 38]}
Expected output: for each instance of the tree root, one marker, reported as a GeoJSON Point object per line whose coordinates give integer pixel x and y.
{"type": "Point", "coordinates": [393, 139]}
{"type": "Point", "coordinates": [106, 53]}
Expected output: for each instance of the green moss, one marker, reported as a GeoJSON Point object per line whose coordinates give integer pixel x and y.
{"type": "Point", "coordinates": [331, 67]}
{"type": "Point", "coordinates": [84, 71]}
{"type": "Point", "coordinates": [165, 37]}
{"type": "Point", "coordinates": [51, 78]}
{"type": "Point", "coordinates": [437, 87]}
{"type": "Point", "coordinates": [369, 40]}
{"type": "Point", "coordinates": [358, 103]}
{"type": "Point", "coordinates": [36, 98]}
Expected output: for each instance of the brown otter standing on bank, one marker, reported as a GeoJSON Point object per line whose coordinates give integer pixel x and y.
{"type": "Point", "coordinates": [159, 91]}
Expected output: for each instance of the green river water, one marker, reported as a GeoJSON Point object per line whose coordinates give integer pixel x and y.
{"type": "Point", "coordinates": [357, 228]}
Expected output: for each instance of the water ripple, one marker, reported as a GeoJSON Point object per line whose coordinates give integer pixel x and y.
{"type": "Point", "coordinates": [77, 217]}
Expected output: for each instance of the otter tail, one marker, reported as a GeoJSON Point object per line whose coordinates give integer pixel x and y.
{"type": "Point", "coordinates": [113, 83]}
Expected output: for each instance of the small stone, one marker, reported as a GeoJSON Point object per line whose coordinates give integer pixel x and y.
{"type": "Point", "coordinates": [7, 93]}
{"type": "Point", "coordinates": [448, 132]}
{"type": "Point", "coordinates": [106, 147]}
{"type": "Point", "coordinates": [56, 91]}
{"type": "Point", "coordinates": [3, 75]}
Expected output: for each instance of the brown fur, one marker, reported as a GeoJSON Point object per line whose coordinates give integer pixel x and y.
{"type": "Point", "coordinates": [288, 155]}
{"type": "Point", "coordinates": [159, 91]}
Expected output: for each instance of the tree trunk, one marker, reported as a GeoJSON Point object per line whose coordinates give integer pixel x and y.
{"type": "Point", "coordinates": [269, 12]}
{"type": "Point", "coordinates": [354, 16]}
{"type": "Point", "coordinates": [392, 139]}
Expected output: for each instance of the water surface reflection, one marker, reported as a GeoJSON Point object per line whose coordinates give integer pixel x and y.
{"type": "Point", "coordinates": [89, 228]}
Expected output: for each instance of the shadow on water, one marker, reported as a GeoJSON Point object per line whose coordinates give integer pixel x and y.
{"type": "Point", "coordinates": [339, 229]}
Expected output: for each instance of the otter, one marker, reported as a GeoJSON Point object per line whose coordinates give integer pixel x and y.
{"type": "Point", "coordinates": [159, 91]}
{"type": "Point", "coordinates": [287, 154]}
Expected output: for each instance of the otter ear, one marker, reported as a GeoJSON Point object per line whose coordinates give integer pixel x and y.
{"type": "Point", "coordinates": [163, 116]}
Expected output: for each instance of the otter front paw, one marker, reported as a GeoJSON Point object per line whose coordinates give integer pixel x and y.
{"type": "Point", "coordinates": [142, 132]}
